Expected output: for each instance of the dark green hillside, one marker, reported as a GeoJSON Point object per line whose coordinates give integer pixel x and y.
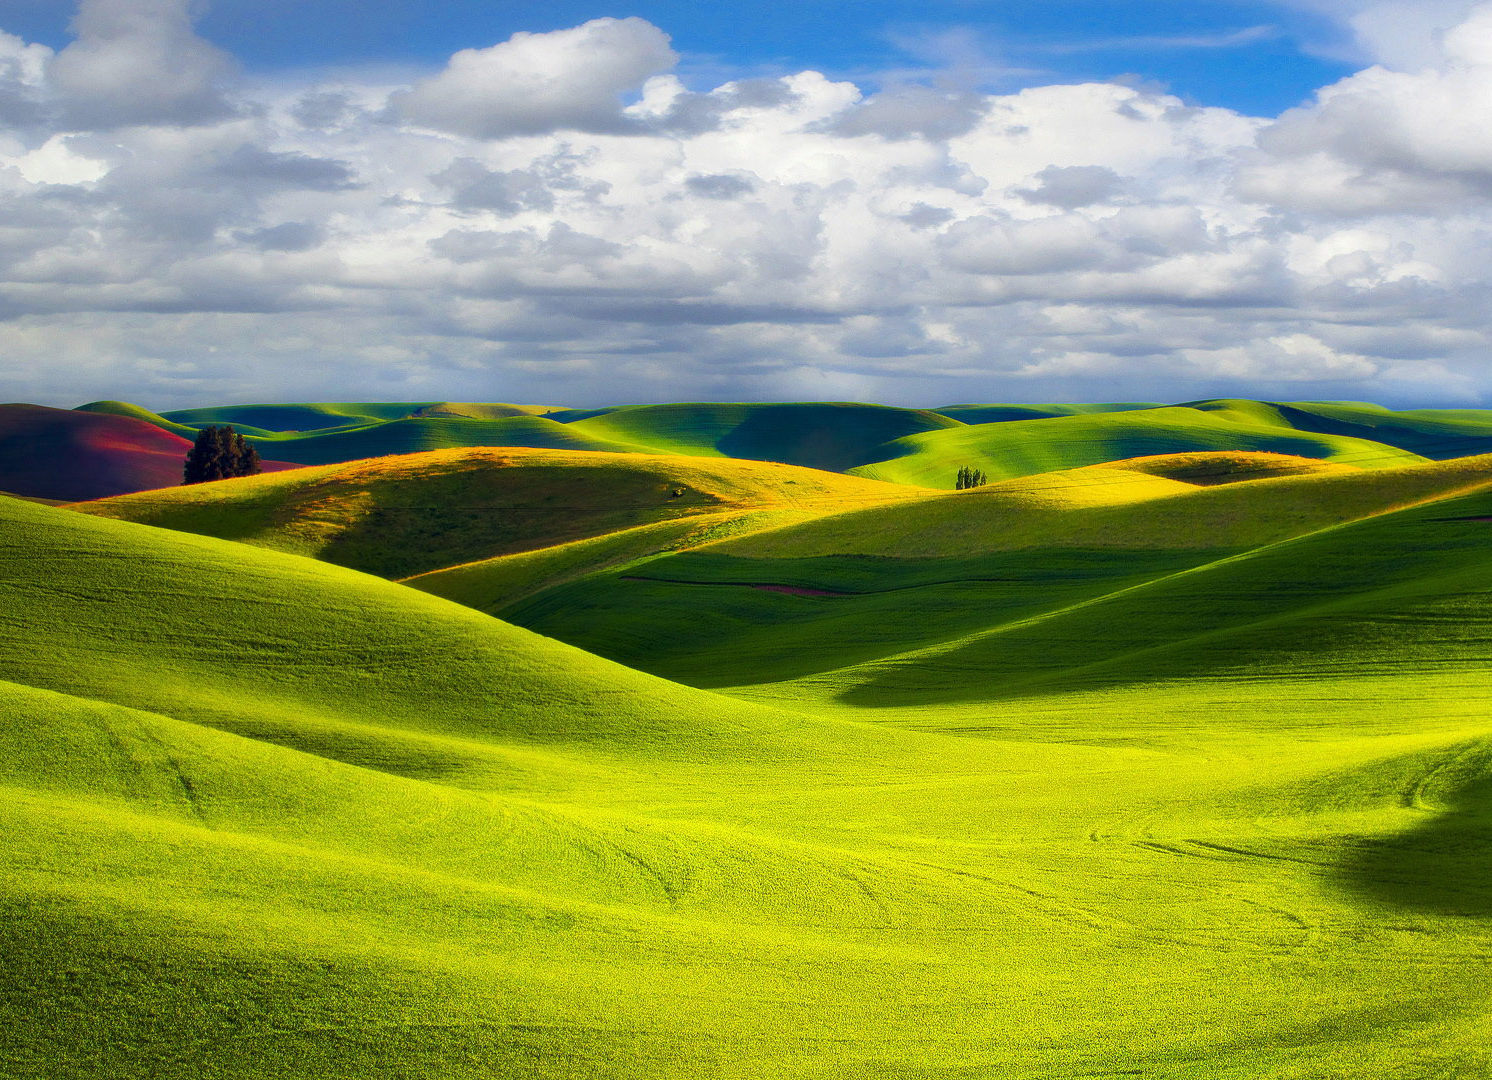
{"type": "Point", "coordinates": [296, 418]}
{"type": "Point", "coordinates": [832, 436]}
{"type": "Point", "coordinates": [418, 434]}
{"type": "Point", "coordinates": [1397, 595]}
{"type": "Point", "coordinates": [1437, 434]}
{"type": "Point", "coordinates": [998, 414]}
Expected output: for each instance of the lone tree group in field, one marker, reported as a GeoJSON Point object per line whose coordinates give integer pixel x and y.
{"type": "Point", "coordinates": [970, 478]}
{"type": "Point", "coordinates": [219, 454]}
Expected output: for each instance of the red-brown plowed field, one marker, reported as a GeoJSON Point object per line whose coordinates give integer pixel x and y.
{"type": "Point", "coordinates": [60, 454]}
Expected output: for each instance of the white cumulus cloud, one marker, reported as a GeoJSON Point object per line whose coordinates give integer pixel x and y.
{"type": "Point", "coordinates": [139, 62]}
{"type": "Point", "coordinates": [533, 84]}
{"type": "Point", "coordinates": [561, 217]}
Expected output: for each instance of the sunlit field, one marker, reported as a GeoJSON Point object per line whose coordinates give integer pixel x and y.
{"type": "Point", "coordinates": [1163, 753]}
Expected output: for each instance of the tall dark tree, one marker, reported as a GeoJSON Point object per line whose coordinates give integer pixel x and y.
{"type": "Point", "coordinates": [969, 477]}
{"type": "Point", "coordinates": [219, 454]}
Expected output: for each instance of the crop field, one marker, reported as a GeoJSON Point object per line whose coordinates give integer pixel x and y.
{"type": "Point", "coordinates": [729, 741]}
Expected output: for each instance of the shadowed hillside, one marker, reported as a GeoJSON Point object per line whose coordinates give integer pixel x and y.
{"type": "Point", "coordinates": [847, 588]}
{"type": "Point", "coordinates": [998, 414]}
{"type": "Point", "coordinates": [297, 418]}
{"type": "Point", "coordinates": [833, 436]}
{"type": "Point", "coordinates": [404, 515]}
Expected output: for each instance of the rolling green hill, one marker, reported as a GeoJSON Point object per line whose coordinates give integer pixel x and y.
{"type": "Point", "coordinates": [416, 434]}
{"type": "Point", "coordinates": [833, 435]}
{"type": "Point", "coordinates": [135, 412]}
{"type": "Point", "coordinates": [996, 414]}
{"type": "Point", "coordinates": [297, 418]}
{"type": "Point", "coordinates": [408, 514]}
{"type": "Point", "coordinates": [1023, 447]}
{"type": "Point", "coordinates": [1434, 433]}
{"type": "Point", "coordinates": [486, 411]}
{"type": "Point", "coordinates": [917, 446]}
{"type": "Point", "coordinates": [816, 595]}
{"type": "Point", "coordinates": [270, 817]}
{"type": "Point", "coordinates": [1176, 766]}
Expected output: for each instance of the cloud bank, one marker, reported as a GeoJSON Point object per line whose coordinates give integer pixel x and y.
{"type": "Point", "coordinates": [558, 217]}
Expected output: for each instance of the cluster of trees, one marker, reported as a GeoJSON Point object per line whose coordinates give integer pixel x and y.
{"type": "Point", "coordinates": [218, 454]}
{"type": "Point", "coordinates": [970, 478]}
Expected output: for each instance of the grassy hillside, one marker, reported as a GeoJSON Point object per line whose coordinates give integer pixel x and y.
{"type": "Point", "coordinates": [269, 817]}
{"type": "Point", "coordinates": [312, 416]}
{"type": "Point", "coordinates": [997, 414]}
{"type": "Point", "coordinates": [136, 412]}
{"type": "Point", "coordinates": [494, 584]}
{"type": "Point", "coordinates": [404, 515]}
{"type": "Point", "coordinates": [833, 436]}
{"type": "Point", "coordinates": [1370, 601]}
{"type": "Point", "coordinates": [1024, 447]}
{"type": "Point", "coordinates": [849, 588]}
{"type": "Point", "coordinates": [474, 410]}
{"type": "Point", "coordinates": [418, 434]}
{"type": "Point", "coordinates": [917, 446]}
{"type": "Point", "coordinates": [1434, 433]}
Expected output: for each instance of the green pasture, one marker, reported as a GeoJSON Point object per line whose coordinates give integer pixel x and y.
{"type": "Point", "coordinates": [1176, 768]}
{"type": "Point", "coordinates": [314, 416]}
{"type": "Point", "coordinates": [925, 447]}
{"type": "Point", "coordinates": [402, 515]}
{"type": "Point", "coordinates": [1023, 447]}
{"type": "Point", "coordinates": [821, 435]}
{"type": "Point", "coordinates": [994, 414]}
{"type": "Point", "coordinates": [136, 412]}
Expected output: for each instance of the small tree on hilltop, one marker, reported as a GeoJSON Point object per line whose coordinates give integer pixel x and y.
{"type": "Point", "coordinates": [970, 478]}
{"type": "Point", "coordinates": [219, 454]}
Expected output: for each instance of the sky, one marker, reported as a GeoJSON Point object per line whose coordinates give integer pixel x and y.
{"type": "Point", "coordinates": [573, 203]}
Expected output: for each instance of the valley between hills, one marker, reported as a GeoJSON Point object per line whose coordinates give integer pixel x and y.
{"type": "Point", "coordinates": [730, 741]}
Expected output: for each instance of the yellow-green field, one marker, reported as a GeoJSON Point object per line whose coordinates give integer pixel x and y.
{"type": "Point", "coordinates": [548, 764]}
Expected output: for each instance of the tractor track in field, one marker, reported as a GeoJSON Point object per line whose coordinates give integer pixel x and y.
{"type": "Point", "coordinates": [1061, 912]}
{"type": "Point", "coordinates": [163, 761]}
{"type": "Point", "coordinates": [1183, 849]}
{"type": "Point", "coordinates": [1414, 796]}
{"type": "Point", "coordinates": [1306, 933]}
{"type": "Point", "coordinates": [673, 890]}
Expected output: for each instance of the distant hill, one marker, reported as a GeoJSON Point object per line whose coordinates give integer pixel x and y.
{"type": "Point", "coordinates": [924, 447]}
{"type": "Point", "coordinates": [67, 455]}
{"type": "Point", "coordinates": [1024, 447]}
{"type": "Point", "coordinates": [830, 435]}
{"type": "Point", "coordinates": [297, 418]}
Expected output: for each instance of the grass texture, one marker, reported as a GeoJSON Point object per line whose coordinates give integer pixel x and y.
{"type": "Point", "coordinates": [1177, 767]}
